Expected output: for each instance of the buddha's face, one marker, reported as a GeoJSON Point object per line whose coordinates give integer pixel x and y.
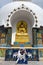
{"type": "Point", "coordinates": [22, 25]}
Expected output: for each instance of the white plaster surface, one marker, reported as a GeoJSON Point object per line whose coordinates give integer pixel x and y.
{"type": "Point", "coordinates": [5, 11]}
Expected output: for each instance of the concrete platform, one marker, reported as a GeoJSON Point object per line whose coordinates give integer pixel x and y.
{"type": "Point", "coordinates": [13, 63]}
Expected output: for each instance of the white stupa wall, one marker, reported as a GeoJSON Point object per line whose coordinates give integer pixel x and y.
{"type": "Point", "coordinates": [5, 11]}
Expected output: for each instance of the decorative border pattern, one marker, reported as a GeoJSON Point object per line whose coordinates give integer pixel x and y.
{"type": "Point", "coordinates": [22, 8]}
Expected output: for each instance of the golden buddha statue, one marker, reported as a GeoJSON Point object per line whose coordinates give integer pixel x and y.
{"type": "Point", "coordinates": [21, 34]}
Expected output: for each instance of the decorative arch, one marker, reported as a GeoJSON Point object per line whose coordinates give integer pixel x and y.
{"type": "Point", "coordinates": [31, 15]}
{"type": "Point", "coordinates": [22, 7]}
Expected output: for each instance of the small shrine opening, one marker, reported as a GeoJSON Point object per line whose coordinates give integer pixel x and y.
{"type": "Point", "coordinates": [22, 35]}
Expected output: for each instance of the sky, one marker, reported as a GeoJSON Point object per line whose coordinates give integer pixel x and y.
{"type": "Point", "coordinates": [38, 2]}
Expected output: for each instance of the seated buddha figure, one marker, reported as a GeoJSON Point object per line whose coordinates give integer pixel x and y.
{"type": "Point", "coordinates": [21, 34]}
{"type": "Point", "coordinates": [22, 28]}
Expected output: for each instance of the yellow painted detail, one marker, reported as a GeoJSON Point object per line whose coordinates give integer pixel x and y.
{"type": "Point", "coordinates": [22, 34]}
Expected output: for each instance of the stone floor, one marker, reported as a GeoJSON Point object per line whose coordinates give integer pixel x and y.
{"type": "Point", "coordinates": [13, 63]}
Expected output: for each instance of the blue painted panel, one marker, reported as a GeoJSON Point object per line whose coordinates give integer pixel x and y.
{"type": "Point", "coordinates": [9, 55]}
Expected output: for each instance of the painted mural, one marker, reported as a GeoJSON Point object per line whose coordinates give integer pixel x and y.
{"type": "Point", "coordinates": [38, 37]}
{"type": "Point", "coordinates": [5, 36]}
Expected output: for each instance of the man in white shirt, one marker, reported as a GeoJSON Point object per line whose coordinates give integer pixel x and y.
{"type": "Point", "coordinates": [20, 55]}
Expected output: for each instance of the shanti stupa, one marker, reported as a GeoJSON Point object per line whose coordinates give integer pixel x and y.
{"type": "Point", "coordinates": [21, 25]}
